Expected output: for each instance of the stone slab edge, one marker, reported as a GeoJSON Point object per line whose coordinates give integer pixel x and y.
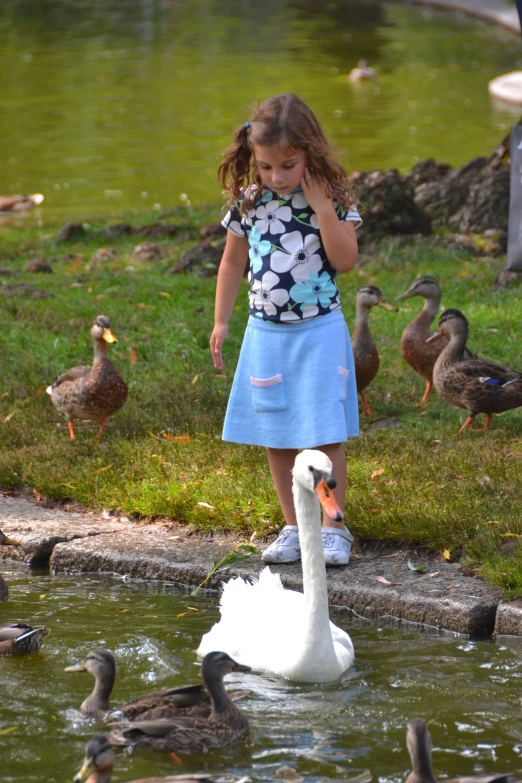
{"type": "Point", "coordinates": [473, 615]}
{"type": "Point", "coordinates": [496, 11]}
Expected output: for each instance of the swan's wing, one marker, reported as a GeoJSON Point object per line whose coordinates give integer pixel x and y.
{"type": "Point", "coordinates": [343, 647]}
{"type": "Point", "coordinates": [256, 618]}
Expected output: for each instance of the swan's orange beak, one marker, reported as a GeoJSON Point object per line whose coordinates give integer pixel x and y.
{"type": "Point", "coordinates": [328, 502]}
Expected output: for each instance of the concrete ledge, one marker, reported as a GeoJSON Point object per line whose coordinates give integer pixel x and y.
{"type": "Point", "coordinates": [376, 585]}
{"type": "Point", "coordinates": [508, 621]}
{"type": "Point", "coordinates": [497, 11]}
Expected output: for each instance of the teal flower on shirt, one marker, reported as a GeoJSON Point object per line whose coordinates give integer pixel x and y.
{"type": "Point", "coordinates": [258, 249]}
{"type": "Point", "coordinates": [318, 288]}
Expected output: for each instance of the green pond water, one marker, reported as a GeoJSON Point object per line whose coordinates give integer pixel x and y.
{"type": "Point", "coordinates": [114, 105]}
{"type": "Point", "coordinates": [469, 691]}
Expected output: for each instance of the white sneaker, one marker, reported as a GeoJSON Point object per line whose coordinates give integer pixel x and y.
{"type": "Point", "coordinates": [286, 548]}
{"type": "Point", "coordinates": [336, 546]}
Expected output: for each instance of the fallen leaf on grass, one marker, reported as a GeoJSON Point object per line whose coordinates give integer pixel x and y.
{"type": "Point", "coordinates": [446, 554]}
{"type": "Point", "coordinates": [509, 535]}
{"type": "Point", "coordinates": [205, 505]}
{"type": "Point", "coordinates": [8, 418]}
{"type": "Point", "coordinates": [194, 380]}
{"type": "Point", "coordinates": [419, 569]}
{"type": "Point", "coordinates": [164, 294]}
{"type": "Point", "coordinates": [177, 438]}
{"type": "Point", "coordinates": [133, 355]}
{"type": "Point", "coordinates": [377, 473]}
{"type": "Point", "coordinates": [8, 730]}
{"type": "Point", "coordinates": [100, 470]}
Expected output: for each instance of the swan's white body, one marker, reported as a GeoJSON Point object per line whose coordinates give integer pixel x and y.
{"type": "Point", "coordinates": [282, 631]}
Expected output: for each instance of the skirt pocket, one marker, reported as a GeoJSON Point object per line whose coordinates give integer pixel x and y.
{"type": "Point", "coordinates": [268, 394]}
{"type": "Point", "coordinates": [343, 382]}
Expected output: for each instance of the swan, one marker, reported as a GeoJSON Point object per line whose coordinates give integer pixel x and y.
{"type": "Point", "coordinates": [283, 631]}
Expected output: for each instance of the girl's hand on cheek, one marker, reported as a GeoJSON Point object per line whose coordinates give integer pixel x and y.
{"type": "Point", "coordinates": [315, 192]}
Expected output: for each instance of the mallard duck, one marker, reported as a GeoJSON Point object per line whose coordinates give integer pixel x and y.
{"type": "Point", "coordinates": [191, 733]}
{"type": "Point", "coordinates": [282, 631]}
{"type": "Point", "coordinates": [418, 741]}
{"type": "Point", "coordinates": [158, 704]}
{"type": "Point", "coordinates": [420, 355]}
{"type": "Point", "coordinates": [91, 392]}
{"type": "Point", "coordinates": [362, 72]}
{"type": "Point", "coordinates": [99, 761]}
{"type": "Point", "coordinates": [17, 638]}
{"type": "Point", "coordinates": [477, 385]}
{"type": "Point", "coordinates": [365, 354]}
{"type": "Point", "coordinates": [20, 638]}
{"type": "Point", "coordinates": [20, 203]}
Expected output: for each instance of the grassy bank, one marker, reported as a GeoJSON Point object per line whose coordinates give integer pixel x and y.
{"type": "Point", "coordinates": [161, 455]}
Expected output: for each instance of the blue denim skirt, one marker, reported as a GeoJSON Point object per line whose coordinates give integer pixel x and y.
{"type": "Point", "coordinates": [294, 386]}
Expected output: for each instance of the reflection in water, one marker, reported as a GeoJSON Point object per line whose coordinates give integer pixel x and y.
{"type": "Point", "coordinates": [469, 692]}
{"type": "Point", "coordinates": [112, 105]}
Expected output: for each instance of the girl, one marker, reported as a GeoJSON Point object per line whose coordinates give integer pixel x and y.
{"type": "Point", "coordinates": [292, 216]}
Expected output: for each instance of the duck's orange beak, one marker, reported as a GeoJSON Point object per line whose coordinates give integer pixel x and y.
{"type": "Point", "coordinates": [434, 337]}
{"type": "Point", "coordinates": [328, 501]}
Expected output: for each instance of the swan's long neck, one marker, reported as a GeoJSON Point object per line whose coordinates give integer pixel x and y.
{"type": "Point", "coordinates": [318, 649]}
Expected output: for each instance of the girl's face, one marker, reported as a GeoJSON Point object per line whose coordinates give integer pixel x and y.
{"type": "Point", "coordinates": [280, 168]}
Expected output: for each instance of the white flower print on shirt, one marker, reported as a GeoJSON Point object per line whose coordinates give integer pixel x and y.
{"type": "Point", "coordinates": [301, 257]}
{"type": "Point", "coordinates": [264, 296]}
{"type": "Point", "coordinates": [271, 215]}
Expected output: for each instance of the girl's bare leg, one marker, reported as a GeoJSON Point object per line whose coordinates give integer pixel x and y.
{"type": "Point", "coordinates": [281, 462]}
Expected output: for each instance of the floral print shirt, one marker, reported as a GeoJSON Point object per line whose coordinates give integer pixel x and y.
{"type": "Point", "coordinates": [290, 277]}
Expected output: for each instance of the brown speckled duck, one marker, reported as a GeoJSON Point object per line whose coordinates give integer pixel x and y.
{"type": "Point", "coordinates": [478, 385]}
{"type": "Point", "coordinates": [420, 355]}
{"type": "Point", "coordinates": [365, 354]}
{"type": "Point", "coordinates": [151, 706]}
{"type": "Point", "coordinates": [223, 727]}
{"type": "Point", "coordinates": [92, 393]}
{"type": "Point", "coordinates": [418, 741]}
{"type": "Point", "coordinates": [99, 762]}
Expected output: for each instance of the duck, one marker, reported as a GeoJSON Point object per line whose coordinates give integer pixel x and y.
{"type": "Point", "coordinates": [158, 704]}
{"type": "Point", "coordinates": [223, 727]}
{"type": "Point", "coordinates": [20, 203]}
{"type": "Point", "coordinates": [286, 632]}
{"type": "Point", "coordinates": [365, 354]}
{"type": "Point", "coordinates": [17, 638]}
{"type": "Point", "coordinates": [418, 742]}
{"type": "Point", "coordinates": [100, 759]}
{"type": "Point", "coordinates": [415, 350]}
{"type": "Point", "coordinates": [91, 392]}
{"type": "Point", "coordinates": [477, 385]}
{"type": "Point", "coordinates": [362, 72]}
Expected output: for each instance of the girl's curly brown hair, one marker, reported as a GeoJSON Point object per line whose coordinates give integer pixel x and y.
{"type": "Point", "coordinates": [283, 120]}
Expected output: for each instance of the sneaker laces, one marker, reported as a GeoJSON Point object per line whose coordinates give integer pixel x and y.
{"type": "Point", "coordinates": [283, 535]}
{"type": "Point", "coordinates": [328, 540]}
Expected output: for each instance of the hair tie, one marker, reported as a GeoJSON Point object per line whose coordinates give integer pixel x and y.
{"type": "Point", "coordinates": [247, 125]}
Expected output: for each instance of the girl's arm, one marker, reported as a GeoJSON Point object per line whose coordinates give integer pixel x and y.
{"type": "Point", "coordinates": [230, 274]}
{"type": "Point", "coordinates": [338, 238]}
